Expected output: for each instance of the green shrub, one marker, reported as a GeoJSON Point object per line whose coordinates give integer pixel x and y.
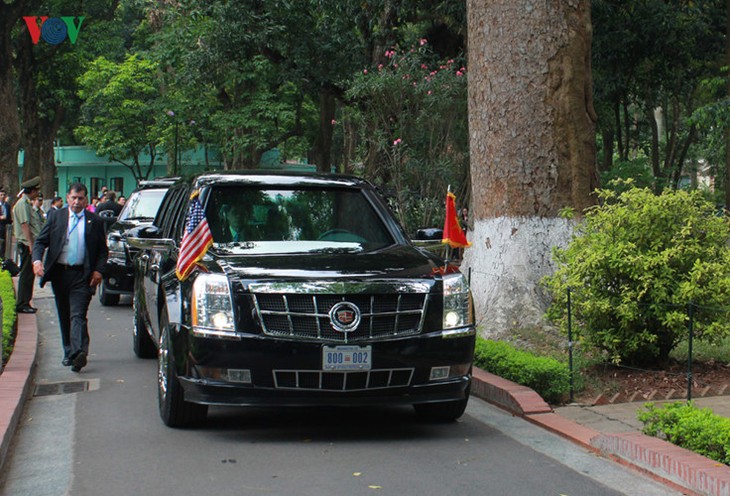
{"type": "Point", "coordinates": [7, 294]}
{"type": "Point", "coordinates": [635, 265]}
{"type": "Point", "coordinates": [685, 425]}
{"type": "Point", "coordinates": [546, 376]}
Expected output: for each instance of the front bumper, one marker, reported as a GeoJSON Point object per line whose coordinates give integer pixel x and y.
{"type": "Point", "coordinates": [264, 371]}
{"type": "Point", "coordinates": [118, 277]}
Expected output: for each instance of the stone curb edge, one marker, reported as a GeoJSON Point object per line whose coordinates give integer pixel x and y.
{"type": "Point", "coordinates": [669, 463]}
{"type": "Point", "coordinates": [16, 380]}
{"type": "Point", "coordinates": [664, 461]}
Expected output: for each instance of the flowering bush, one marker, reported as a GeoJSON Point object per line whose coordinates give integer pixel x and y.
{"type": "Point", "coordinates": [411, 116]}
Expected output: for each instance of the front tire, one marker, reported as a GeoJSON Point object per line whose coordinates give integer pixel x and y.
{"type": "Point", "coordinates": [174, 410]}
{"type": "Point", "coordinates": [106, 299]}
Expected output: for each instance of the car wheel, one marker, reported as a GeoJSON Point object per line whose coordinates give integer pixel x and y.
{"type": "Point", "coordinates": [446, 411]}
{"type": "Point", "coordinates": [106, 299]}
{"type": "Point", "coordinates": [174, 410]}
{"type": "Point", "coordinates": [143, 345]}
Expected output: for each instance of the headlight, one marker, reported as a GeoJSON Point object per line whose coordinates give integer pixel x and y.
{"type": "Point", "coordinates": [212, 310]}
{"type": "Point", "coordinates": [116, 246]}
{"type": "Point", "coordinates": [458, 310]}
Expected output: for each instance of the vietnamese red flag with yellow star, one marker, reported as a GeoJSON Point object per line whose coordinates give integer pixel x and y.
{"type": "Point", "coordinates": [453, 233]}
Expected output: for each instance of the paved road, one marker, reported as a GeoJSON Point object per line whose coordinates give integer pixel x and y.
{"type": "Point", "coordinates": [109, 440]}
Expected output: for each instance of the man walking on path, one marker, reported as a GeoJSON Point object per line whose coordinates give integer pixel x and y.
{"type": "Point", "coordinates": [77, 253]}
{"type": "Point", "coordinates": [26, 226]}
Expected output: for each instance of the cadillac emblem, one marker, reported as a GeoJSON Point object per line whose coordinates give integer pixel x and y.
{"type": "Point", "coordinates": [344, 316]}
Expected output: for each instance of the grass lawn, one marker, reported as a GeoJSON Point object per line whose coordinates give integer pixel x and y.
{"type": "Point", "coordinates": [7, 294]}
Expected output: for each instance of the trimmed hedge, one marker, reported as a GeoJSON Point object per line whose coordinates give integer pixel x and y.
{"type": "Point", "coordinates": [546, 376]}
{"type": "Point", "coordinates": [683, 424]}
{"type": "Point", "coordinates": [7, 294]}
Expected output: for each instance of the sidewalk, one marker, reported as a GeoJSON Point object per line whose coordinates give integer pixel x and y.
{"type": "Point", "coordinates": [610, 430]}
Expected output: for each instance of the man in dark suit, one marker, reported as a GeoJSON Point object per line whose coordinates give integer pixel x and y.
{"type": "Point", "coordinates": [77, 253]}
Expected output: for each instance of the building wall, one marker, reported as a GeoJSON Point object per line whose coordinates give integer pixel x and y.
{"type": "Point", "coordinates": [82, 164]}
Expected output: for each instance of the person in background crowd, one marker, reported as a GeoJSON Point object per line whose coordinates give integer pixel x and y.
{"type": "Point", "coordinates": [6, 219]}
{"type": "Point", "coordinates": [102, 194]}
{"type": "Point", "coordinates": [91, 207]}
{"type": "Point", "coordinates": [38, 207]}
{"type": "Point", "coordinates": [463, 215]}
{"type": "Point", "coordinates": [109, 204]}
{"type": "Point", "coordinates": [56, 203]}
{"type": "Point", "coordinates": [122, 200]}
{"type": "Point", "coordinates": [26, 227]}
{"type": "Point", "coordinates": [76, 256]}
{"type": "Point", "coordinates": [464, 219]}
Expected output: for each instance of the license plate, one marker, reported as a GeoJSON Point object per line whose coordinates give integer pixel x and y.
{"type": "Point", "coordinates": [347, 357]}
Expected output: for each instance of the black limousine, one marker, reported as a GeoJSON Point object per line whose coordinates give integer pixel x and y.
{"type": "Point", "coordinates": [290, 289]}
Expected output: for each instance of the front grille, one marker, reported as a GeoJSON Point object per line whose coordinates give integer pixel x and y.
{"type": "Point", "coordinates": [306, 316]}
{"type": "Point", "coordinates": [342, 381]}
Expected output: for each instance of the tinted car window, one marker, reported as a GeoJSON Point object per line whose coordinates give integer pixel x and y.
{"type": "Point", "coordinates": [309, 219]}
{"type": "Point", "coordinates": [173, 205]}
{"type": "Point", "coordinates": [142, 205]}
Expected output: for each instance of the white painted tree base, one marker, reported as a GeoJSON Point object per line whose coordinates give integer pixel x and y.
{"type": "Point", "coordinates": [508, 258]}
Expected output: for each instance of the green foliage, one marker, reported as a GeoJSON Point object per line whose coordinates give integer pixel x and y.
{"type": "Point", "coordinates": [627, 174]}
{"type": "Point", "coordinates": [685, 425]}
{"type": "Point", "coordinates": [7, 295]}
{"type": "Point", "coordinates": [653, 55]}
{"type": "Point", "coordinates": [411, 113]}
{"type": "Point", "coordinates": [120, 114]}
{"type": "Point", "coordinates": [259, 70]}
{"type": "Point", "coordinates": [546, 376]}
{"type": "Point", "coordinates": [633, 267]}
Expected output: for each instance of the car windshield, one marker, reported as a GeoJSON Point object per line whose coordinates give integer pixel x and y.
{"type": "Point", "coordinates": [142, 205]}
{"type": "Point", "coordinates": [252, 220]}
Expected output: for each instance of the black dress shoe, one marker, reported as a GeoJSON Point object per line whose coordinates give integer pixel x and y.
{"type": "Point", "coordinates": [79, 362]}
{"type": "Point", "coordinates": [66, 362]}
{"type": "Point", "coordinates": [27, 309]}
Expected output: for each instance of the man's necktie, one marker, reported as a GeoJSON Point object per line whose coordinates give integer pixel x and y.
{"type": "Point", "coordinates": [73, 241]}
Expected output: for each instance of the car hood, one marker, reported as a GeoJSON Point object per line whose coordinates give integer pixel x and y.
{"type": "Point", "coordinates": [402, 261]}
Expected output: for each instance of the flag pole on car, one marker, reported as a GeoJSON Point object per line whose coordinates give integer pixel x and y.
{"type": "Point", "coordinates": [453, 235]}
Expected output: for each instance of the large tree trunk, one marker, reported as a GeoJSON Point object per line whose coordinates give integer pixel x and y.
{"type": "Point", "coordinates": [532, 128]}
{"type": "Point", "coordinates": [31, 131]}
{"type": "Point", "coordinates": [323, 143]}
{"type": "Point", "coordinates": [10, 127]}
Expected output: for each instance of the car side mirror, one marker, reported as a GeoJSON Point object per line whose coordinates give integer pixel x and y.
{"type": "Point", "coordinates": [149, 238]}
{"type": "Point", "coordinates": [146, 232]}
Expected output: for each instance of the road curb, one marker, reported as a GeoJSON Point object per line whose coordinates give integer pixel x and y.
{"type": "Point", "coordinates": [664, 461]}
{"type": "Point", "coordinates": [16, 380]}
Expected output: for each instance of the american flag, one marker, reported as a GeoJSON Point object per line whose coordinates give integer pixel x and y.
{"type": "Point", "coordinates": [196, 240]}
